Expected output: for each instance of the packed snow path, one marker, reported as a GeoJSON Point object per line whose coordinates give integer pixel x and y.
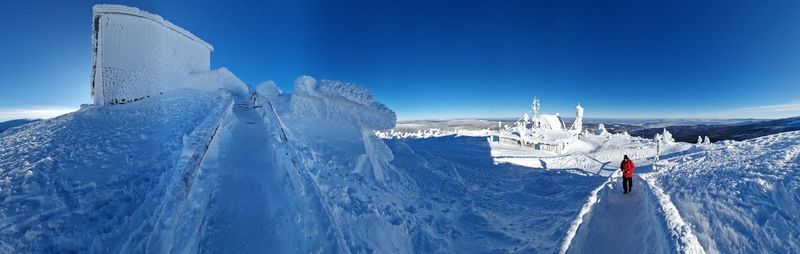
{"type": "Point", "coordinates": [623, 222]}
{"type": "Point", "coordinates": [250, 212]}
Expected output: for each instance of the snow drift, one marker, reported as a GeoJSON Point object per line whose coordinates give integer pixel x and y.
{"type": "Point", "coordinates": [740, 197]}
{"type": "Point", "coordinates": [87, 179]}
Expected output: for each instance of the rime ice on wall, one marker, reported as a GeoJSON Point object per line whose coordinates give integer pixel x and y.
{"type": "Point", "coordinates": [137, 54]}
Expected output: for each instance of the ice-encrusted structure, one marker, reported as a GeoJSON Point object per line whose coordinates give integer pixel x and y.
{"type": "Point", "coordinates": [339, 101]}
{"type": "Point", "coordinates": [137, 54]}
{"type": "Point", "coordinates": [578, 124]}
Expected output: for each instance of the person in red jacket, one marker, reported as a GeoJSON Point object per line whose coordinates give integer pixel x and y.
{"type": "Point", "coordinates": [627, 174]}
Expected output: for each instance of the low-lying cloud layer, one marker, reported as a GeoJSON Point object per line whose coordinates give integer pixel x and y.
{"type": "Point", "coordinates": [33, 112]}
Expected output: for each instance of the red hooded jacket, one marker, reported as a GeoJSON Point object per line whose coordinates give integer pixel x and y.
{"type": "Point", "coordinates": [627, 168]}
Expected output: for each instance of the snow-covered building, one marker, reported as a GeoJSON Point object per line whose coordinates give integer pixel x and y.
{"type": "Point", "coordinates": [137, 54]}
{"type": "Point", "coordinates": [542, 121]}
{"type": "Point", "coordinates": [541, 131]}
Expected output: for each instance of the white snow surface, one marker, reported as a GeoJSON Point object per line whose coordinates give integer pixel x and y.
{"type": "Point", "coordinates": [739, 197]}
{"type": "Point", "coordinates": [84, 180]}
{"type": "Point", "coordinates": [242, 171]}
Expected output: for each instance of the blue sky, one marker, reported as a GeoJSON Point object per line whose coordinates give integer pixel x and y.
{"type": "Point", "coordinates": [675, 59]}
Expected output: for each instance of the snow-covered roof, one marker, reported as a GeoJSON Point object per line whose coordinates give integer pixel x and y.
{"type": "Point", "coordinates": [133, 11]}
{"type": "Point", "coordinates": [552, 122]}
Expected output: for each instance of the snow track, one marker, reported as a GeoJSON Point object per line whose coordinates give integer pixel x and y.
{"type": "Point", "coordinates": [642, 221]}
{"type": "Point", "coordinates": [623, 223]}
{"type": "Point", "coordinates": [254, 206]}
{"type": "Point", "coordinates": [248, 211]}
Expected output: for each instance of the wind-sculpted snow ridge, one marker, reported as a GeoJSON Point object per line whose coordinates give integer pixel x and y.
{"type": "Point", "coordinates": [739, 197]}
{"type": "Point", "coordinates": [85, 179]}
{"type": "Point", "coordinates": [339, 101]}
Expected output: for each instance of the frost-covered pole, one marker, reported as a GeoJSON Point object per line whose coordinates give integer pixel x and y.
{"type": "Point", "coordinates": [658, 151]}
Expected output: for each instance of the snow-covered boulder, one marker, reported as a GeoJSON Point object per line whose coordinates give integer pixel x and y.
{"type": "Point", "coordinates": [341, 102]}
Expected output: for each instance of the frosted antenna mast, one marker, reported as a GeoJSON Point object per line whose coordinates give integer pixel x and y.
{"type": "Point", "coordinates": [535, 107]}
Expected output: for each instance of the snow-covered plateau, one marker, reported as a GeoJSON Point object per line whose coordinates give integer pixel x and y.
{"type": "Point", "coordinates": [200, 171]}
{"type": "Point", "coordinates": [208, 164]}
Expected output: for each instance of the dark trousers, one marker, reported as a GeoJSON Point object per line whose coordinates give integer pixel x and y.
{"type": "Point", "coordinates": [627, 184]}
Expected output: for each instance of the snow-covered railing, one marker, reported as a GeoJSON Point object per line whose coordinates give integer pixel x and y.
{"type": "Point", "coordinates": [195, 145]}
{"type": "Point", "coordinates": [264, 106]}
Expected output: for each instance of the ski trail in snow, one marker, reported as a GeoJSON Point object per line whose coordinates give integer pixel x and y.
{"type": "Point", "coordinates": [251, 210]}
{"type": "Point", "coordinates": [623, 223]}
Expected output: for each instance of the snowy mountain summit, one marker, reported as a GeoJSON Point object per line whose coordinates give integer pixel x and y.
{"type": "Point", "coordinates": [174, 157]}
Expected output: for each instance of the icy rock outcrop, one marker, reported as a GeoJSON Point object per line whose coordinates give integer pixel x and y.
{"type": "Point", "coordinates": [339, 101]}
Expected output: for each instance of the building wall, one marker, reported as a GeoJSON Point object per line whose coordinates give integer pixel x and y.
{"type": "Point", "coordinates": [138, 54]}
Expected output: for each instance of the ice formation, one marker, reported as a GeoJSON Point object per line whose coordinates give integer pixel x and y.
{"type": "Point", "coordinates": [339, 101]}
